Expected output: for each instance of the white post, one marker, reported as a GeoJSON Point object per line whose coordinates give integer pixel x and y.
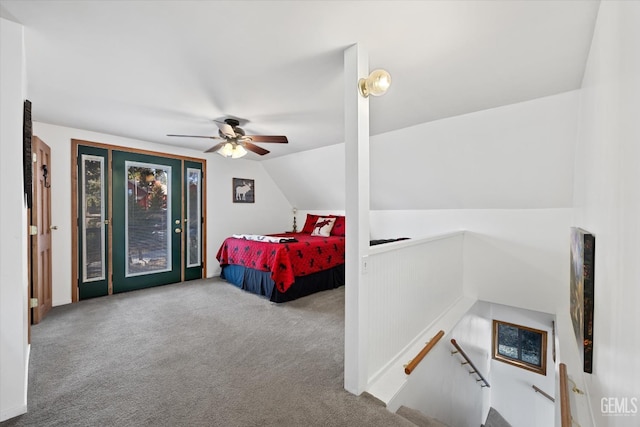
{"type": "Point", "coordinates": [14, 283]}
{"type": "Point", "coordinates": [356, 127]}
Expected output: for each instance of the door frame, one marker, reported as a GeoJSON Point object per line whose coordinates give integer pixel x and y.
{"type": "Point", "coordinates": [75, 214]}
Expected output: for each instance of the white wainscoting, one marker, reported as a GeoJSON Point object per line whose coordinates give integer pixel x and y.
{"type": "Point", "coordinates": [409, 285]}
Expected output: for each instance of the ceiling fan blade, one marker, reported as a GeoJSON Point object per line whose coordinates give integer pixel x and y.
{"type": "Point", "coordinates": [226, 129]}
{"type": "Point", "coordinates": [196, 136]}
{"type": "Point", "coordinates": [269, 138]}
{"type": "Point", "coordinates": [258, 150]}
{"type": "Point", "coordinates": [215, 147]}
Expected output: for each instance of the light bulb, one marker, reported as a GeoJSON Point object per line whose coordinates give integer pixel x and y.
{"type": "Point", "coordinates": [238, 152]}
{"type": "Point", "coordinates": [376, 84]}
{"type": "Point", "coordinates": [226, 150]}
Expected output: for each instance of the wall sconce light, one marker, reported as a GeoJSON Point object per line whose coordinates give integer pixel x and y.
{"type": "Point", "coordinates": [233, 150]}
{"type": "Point", "coordinates": [45, 174]}
{"type": "Point", "coordinates": [376, 84]}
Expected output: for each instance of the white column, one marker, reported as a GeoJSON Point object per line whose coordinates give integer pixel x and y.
{"type": "Point", "coordinates": [14, 348]}
{"type": "Point", "coordinates": [356, 112]}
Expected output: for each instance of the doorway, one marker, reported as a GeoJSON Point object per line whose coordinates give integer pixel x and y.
{"type": "Point", "coordinates": [140, 219]}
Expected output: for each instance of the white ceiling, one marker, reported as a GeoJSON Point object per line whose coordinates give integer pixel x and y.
{"type": "Point", "coordinates": [142, 69]}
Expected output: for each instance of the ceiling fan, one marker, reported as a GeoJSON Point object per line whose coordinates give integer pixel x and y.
{"type": "Point", "coordinates": [234, 141]}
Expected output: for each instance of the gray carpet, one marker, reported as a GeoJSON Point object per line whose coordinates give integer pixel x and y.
{"type": "Point", "coordinates": [200, 353]}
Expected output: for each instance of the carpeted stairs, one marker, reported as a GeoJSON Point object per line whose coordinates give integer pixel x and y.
{"type": "Point", "coordinates": [494, 419]}
{"type": "Point", "coordinates": [418, 418]}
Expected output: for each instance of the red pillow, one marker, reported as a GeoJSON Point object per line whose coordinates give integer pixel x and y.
{"type": "Point", "coordinates": [339, 227]}
{"type": "Point", "coordinates": [310, 223]}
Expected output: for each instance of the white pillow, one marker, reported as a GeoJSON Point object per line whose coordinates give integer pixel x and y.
{"type": "Point", "coordinates": [323, 226]}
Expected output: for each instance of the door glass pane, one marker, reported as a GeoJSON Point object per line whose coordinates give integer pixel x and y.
{"type": "Point", "coordinates": [93, 213]}
{"type": "Point", "coordinates": [147, 223]}
{"type": "Point", "coordinates": [193, 217]}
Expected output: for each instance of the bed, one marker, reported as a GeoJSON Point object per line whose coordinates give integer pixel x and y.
{"type": "Point", "coordinates": [299, 265]}
{"type": "Point", "coordinates": [289, 265]}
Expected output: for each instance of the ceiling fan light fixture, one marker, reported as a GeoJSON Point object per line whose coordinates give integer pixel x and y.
{"type": "Point", "coordinates": [226, 150]}
{"type": "Point", "coordinates": [233, 150]}
{"type": "Point", "coordinates": [238, 152]}
{"type": "Point", "coordinates": [376, 84]}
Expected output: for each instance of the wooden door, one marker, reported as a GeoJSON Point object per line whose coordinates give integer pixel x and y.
{"type": "Point", "coordinates": [41, 234]}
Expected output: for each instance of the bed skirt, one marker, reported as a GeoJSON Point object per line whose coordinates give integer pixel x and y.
{"type": "Point", "coordinates": [260, 282]}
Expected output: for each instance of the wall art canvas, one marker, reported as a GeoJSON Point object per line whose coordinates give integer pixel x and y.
{"type": "Point", "coordinates": [243, 190]}
{"type": "Point", "coordinates": [582, 292]}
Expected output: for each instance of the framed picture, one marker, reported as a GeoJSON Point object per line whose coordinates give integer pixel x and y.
{"type": "Point", "coordinates": [244, 190]}
{"type": "Point", "coordinates": [583, 245]}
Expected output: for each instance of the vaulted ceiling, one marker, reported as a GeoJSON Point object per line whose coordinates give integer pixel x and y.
{"type": "Point", "coordinates": [142, 69]}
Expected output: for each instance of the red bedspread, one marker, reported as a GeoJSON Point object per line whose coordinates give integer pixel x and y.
{"type": "Point", "coordinates": [284, 260]}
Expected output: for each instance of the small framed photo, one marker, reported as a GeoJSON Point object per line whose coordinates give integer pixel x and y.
{"type": "Point", "coordinates": [243, 190]}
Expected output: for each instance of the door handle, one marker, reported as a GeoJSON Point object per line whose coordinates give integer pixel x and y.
{"type": "Point", "coordinates": [178, 230]}
{"type": "Point", "coordinates": [53, 227]}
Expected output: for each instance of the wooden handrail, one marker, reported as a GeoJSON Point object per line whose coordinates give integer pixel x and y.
{"type": "Point", "coordinates": [565, 406]}
{"type": "Point", "coordinates": [537, 389]}
{"type": "Point", "coordinates": [475, 370]}
{"type": "Point", "coordinates": [409, 367]}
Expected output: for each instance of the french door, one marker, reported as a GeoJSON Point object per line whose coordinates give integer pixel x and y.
{"type": "Point", "coordinates": [147, 221]}
{"type": "Point", "coordinates": [140, 220]}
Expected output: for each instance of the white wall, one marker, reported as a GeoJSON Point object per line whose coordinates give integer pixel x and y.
{"type": "Point", "coordinates": [403, 301]}
{"type": "Point", "coordinates": [607, 203]}
{"type": "Point", "coordinates": [270, 213]}
{"type": "Point", "coordinates": [14, 349]}
{"type": "Point", "coordinates": [513, 157]}
{"type": "Point", "coordinates": [311, 180]}
{"type": "Point", "coordinates": [516, 257]}
{"type": "Point", "coordinates": [518, 156]}
{"type": "Point", "coordinates": [504, 174]}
